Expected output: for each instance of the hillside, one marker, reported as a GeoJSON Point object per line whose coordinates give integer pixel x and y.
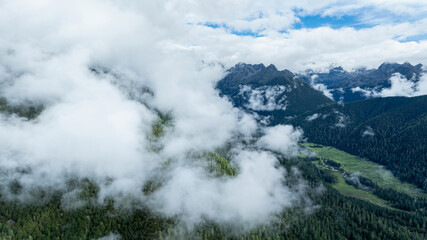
{"type": "Point", "coordinates": [389, 131]}
{"type": "Point", "coordinates": [269, 93]}
{"type": "Point", "coordinates": [334, 216]}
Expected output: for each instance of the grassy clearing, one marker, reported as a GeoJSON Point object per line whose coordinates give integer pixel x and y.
{"type": "Point", "coordinates": [351, 191]}
{"type": "Point", "coordinates": [373, 171]}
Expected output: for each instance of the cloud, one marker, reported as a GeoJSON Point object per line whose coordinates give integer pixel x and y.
{"type": "Point", "coordinates": [265, 98]}
{"type": "Point", "coordinates": [368, 132]}
{"type": "Point", "coordinates": [321, 87]}
{"type": "Point", "coordinates": [342, 119]}
{"type": "Point", "coordinates": [252, 197]}
{"type": "Point", "coordinates": [281, 138]}
{"type": "Point", "coordinates": [104, 71]}
{"type": "Point", "coordinates": [110, 236]}
{"type": "Point", "coordinates": [313, 117]}
{"type": "Point", "coordinates": [159, 56]}
{"type": "Point", "coordinates": [400, 86]}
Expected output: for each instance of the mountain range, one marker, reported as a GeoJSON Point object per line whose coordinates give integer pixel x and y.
{"type": "Point", "coordinates": [352, 86]}
{"type": "Point", "coordinates": [271, 95]}
{"type": "Point", "coordinates": [390, 131]}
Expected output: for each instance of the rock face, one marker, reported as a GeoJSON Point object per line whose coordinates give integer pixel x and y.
{"type": "Point", "coordinates": [340, 82]}
{"type": "Point", "coordinates": [269, 94]}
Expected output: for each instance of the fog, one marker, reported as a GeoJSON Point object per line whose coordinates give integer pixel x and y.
{"type": "Point", "coordinates": [103, 71]}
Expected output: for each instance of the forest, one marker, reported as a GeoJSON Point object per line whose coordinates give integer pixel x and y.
{"type": "Point", "coordinates": [389, 131]}
{"type": "Point", "coordinates": [332, 216]}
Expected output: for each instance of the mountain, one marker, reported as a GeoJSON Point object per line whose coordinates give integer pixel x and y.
{"type": "Point", "coordinates": [344, 85]}
{"type": "Point", "coordinates": [390, 131]}
{"type": "Point", "coordinates": [270, 94]}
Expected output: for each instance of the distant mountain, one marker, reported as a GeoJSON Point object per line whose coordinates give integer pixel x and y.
{"type": "Point", "coordinates": [269, 94]}
{"type": "Point", "coordinates": [344, 85]}
{"type": "Point", "coordinates": [390, 131]}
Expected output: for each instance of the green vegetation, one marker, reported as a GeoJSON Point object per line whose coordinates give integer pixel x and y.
{"type": "Point", "coordinates": [351, 191]}
{"type": "Point", "coordinates": [337, 217]}
{"type": "Point", "coordinates": [373, 171]}
{"type": "Point", "coordinates": [158, 128]}
{"type": "Point", "coordinates": [361, 179]}
{"type": "Point", "coordinates": [398, 139]}
{"type": "Point", "coordinates": [346, 189]}
{"type": "Point", "coordinates": [220, 165]}
{"type": "Point", "coordinates": [50, 221]}
{"type": "Point", "coordinates": [28, 111]}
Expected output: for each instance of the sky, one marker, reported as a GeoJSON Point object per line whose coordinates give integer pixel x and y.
{"type": "Point", "coordinates": [98, 126]}
{"type": "Point", "coordinates": [290, 34]}
{"type": "Point", "coordinates": [308, 34]}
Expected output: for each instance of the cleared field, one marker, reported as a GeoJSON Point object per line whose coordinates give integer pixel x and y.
{"type": "Point", "coordinates": [375, 172]}
{"type": "Point", "coordinates": [351, 191]}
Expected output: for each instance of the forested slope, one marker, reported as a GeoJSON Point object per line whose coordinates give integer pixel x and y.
{"type": "Point", "coordinates": [332, 216]}
{"type": "Point", "coordinates": [390, 131]}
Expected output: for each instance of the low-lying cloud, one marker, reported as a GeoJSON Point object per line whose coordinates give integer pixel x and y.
{"type": "Point", "coordinates": [400, 86]}
{"type": "Point", "coordinates": [106, 76]}
{"type": "Point", "coordinates": [281, 138]}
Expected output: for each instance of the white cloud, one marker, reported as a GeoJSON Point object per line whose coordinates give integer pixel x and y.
{"type": "Point", "coordinates": [321, 87]}
{"type": "Point", "coordinates": [281, 138]}
{"type": "Point", "coordinates": [400, 86]}
{"type": "Point", "coordinates": [266, 98]}
{"type": "Point", "coordinates": [94, 125]}
{"type": "Point", "coordinates": [368, 132]}
{"type": "Point", "coordinates": [250, 198]}
{"type": "Point", "coordinates": [110, 236]}
{"type": "Point", "coordinates": [313, 117]}
{"type": "Point", "coordinates": [342, 119]}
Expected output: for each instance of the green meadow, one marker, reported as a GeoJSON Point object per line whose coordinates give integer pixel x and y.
{"type": "Point", "coordinates": [373, 171]}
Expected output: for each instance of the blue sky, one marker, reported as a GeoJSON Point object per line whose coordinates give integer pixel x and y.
{"type": "Point", "coordinates": [357, 18]}
{"type": "Point", "coordinates": [315, 21]}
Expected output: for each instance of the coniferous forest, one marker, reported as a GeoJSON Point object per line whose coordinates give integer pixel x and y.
{"type": "Point", "coordinates": [332, 216]}
{"type": "Point", "coordinates": [396, 133]}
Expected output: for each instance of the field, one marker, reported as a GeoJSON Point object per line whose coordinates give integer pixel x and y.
{"type": "Point", "coordinates": [351, 191]}
{"type": "Point", "coordinates": [373, 171]}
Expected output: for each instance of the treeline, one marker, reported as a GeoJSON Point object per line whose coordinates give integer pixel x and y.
{"type": "Point", "coordinates": [389, 131]}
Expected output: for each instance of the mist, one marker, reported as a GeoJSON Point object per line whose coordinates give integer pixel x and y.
{"type": "Point", "coordinates": [106, 74]}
